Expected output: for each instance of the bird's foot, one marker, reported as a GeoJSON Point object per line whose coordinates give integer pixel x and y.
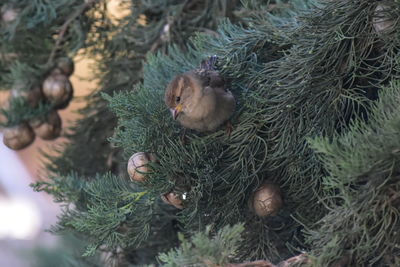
{"type": "Point", "coordinates": [184, 139]}
{"type": "Point", "coordinates": [229, 128]}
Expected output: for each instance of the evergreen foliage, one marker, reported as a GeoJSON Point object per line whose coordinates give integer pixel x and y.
{"type": "Point", "coordinates": [363, 166]}
{"type": "Point", "coordinates": [203, 250]}
{"type": "Point", "coordinates": [155, 24]}
{"type": "Point", "coordinates": [215, 171]}
{"type": "Point", "coordinates": [317, 96]}
{"type": "Point", "coordinates": [108, 212]}
{"type": "Point", "coordinates": [289, 89]}
{"type": "Point", "coordinates": [151, 26]}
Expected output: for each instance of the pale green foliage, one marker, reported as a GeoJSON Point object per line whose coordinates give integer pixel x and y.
{"type": "Point", "coordinates": [201, 250]}
{"type": "Point", "coordinates": [113, 210]}
{"type": "Point", "coordinates": [364, 173]}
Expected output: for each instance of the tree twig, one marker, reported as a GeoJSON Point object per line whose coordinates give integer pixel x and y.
{"type": "Point", "coordinates": [260, 263]}
{"type": "Point", "coordinates": [293, 261]}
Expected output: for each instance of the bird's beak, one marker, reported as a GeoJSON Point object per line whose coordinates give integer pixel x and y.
{"type": "Point", "coordinates": [176, 111]}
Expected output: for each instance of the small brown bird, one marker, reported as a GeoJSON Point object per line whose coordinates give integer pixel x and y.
{"type": "Point", "coordinates": [199, 99]}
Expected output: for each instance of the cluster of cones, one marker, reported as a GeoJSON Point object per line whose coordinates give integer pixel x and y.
{"type": "Point", "coordinates": [55, 89]}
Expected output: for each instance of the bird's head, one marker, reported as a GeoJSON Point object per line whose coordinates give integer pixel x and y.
{"type": "Point", "coordinates": [180, 93]}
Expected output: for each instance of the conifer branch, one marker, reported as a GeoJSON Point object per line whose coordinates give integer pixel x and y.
{"type": "Point", "coordinates": [65, 26]}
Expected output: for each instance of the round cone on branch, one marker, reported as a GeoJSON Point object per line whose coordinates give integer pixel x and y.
{"type": "Point", "coordinates": [173, 199]}
{"type": "Point", "coordinates": [49, 127]}
{"type": "Point", "coordinates": [32, 96]}
{"type": "Point", "coordinates": [137, 165]}
{"type": "Point", "coordinates": [65, 65]}
{"type": "Point", "coordinates": [9, 14]}
{"type": "Point", "coordinates": [58, 90]}
{"type": "Point", "coordinates": [267, 200]}
{"type": "Point", "coordinates": [18, 137]}
{"type": "Point", "coordinates": [381, 21]}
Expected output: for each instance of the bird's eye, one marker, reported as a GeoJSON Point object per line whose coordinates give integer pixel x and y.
{"type": "Point", "coordinates": [178, 98]}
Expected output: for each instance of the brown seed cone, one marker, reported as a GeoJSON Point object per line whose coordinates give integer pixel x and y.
{"type": "Point", "coordinates": [9, 14]}
{"type": "Point", "coordinates": [267, 200]}
{"type": "Point", "coordinates": [18, 137]}
{"type": "Point", "coordinates": [381, 21]}
{"type": "Point", "coordinates": [173, 199]}
{"type": "Point", "coordinates": [47, 128]}
{"type": "Point", "coordinates": [33, 96]}
{"type": "Point", "coordinates": [58, 90]}
{"type": "Point", "coordinates": [65, 65]}
{"type": "Point", "coordinates": [137, 165]}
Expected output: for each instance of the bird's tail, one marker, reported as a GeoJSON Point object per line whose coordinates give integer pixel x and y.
{"type": "Point", "coordinates": [209, 64]}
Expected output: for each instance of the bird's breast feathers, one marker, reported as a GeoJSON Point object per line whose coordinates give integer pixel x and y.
{"type": "Point", "coordinates": [208, 111]}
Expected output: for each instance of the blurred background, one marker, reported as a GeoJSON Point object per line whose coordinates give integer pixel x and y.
{"type": "Point", "coordinates": [25, 214]}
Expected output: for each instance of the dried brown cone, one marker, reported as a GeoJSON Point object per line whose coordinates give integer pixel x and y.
{"type": "Point", "coordinates": [267, 200]}
{"type": "Point", "coordinates": [9, 14]}
{"type": "Point", "coordinates": [18, 137]}
{"type": "Point", "coordinates": [58, 90]}
{"type": "Point", "coordinates": [49, 127]}
{"type": "Point", "coordinates": [33, 96]}
{"type": "Point", "coordinates": [381, 21]}
{"type": "Point", "coordinates": [173, 199]}
{"type": "Point", "coordinates": [137, 165]}
{"type": "Point", "coordinates": [65, 65]}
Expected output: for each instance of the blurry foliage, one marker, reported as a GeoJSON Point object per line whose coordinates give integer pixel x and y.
{"type": "Point", "coordinates": [67, 253]}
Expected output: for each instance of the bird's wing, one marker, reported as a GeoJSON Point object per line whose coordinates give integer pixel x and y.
{"type": "Point", "coordinates": [216, 79]}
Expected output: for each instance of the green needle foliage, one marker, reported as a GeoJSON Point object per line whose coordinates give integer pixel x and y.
{"type": "Point", "coordinates": [364, 172]}
{"type": "Point", "coordinates": [203, 250]}
{"type": "Point", "coordinates": [307, 71]}
{"type": "Point", "coordinates": [151, 26]}
{"type": "Point", "coordinates": [293, 79]}
{"type": "Point", "coordinates": [217, 172]}
{"type": "Point", "coordinates": [111, 211]}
